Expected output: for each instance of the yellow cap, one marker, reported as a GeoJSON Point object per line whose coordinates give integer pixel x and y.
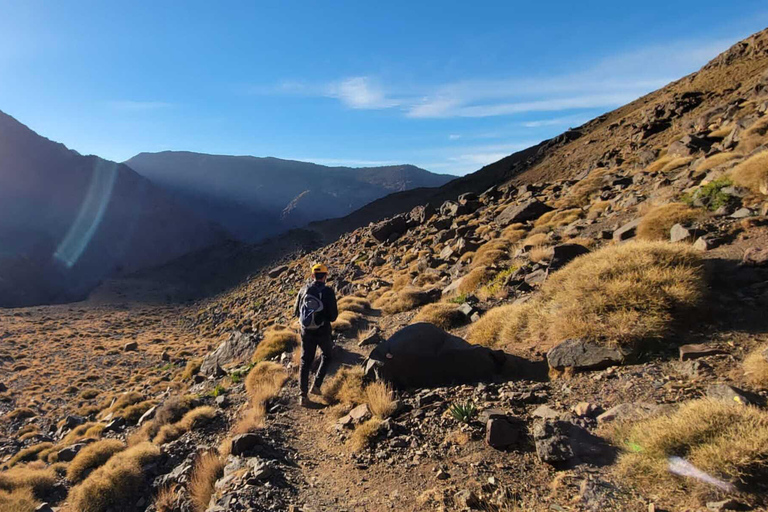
{"type": "Point", "coordinates": [319, 268]}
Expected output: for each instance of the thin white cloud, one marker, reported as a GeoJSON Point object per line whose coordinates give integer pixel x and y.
{"type": "Point", "coordinates": [360, 92]}
{"type": "Point", "coordinates": [454, 136]}
{"type": "Point", "coordinates": [138, 106]}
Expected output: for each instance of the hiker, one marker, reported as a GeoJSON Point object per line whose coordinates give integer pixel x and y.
{"type": "Point", "coordinates": [316, 309]}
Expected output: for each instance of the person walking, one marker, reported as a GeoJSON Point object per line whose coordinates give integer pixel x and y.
{"type": "Point", "coordinates": [316, 309]}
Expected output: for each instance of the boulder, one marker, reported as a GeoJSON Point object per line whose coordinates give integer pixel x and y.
{"type": "Point", "coordinates": [552, 441]}
{"type": "Point", "coordinates": [732, 395]}
{"type": "Point", "coordinates": [529, 210]}
{"type": "Point", "coordinates": [421, 214]}
{"type": "Point", "coordinates": [452, 209]}
{"type": "Point", "coordinates": [389, 228]}
{"type": "Point", "coordinates": [563, 254]}
{"type": "Point", "coordinates": [244, 443]}
{"type": "Point", "coordinates": [68, 453]}
{"type": "Point", "coordinates": [545, 412]}
{"type": "Point", "coordinates": [626, 231]}
{"type": "Point", "coordinates": [237, 348]}
{"type": "Point", "coordinates": [131, 346]}
{"type": "Point", "coordinates": [275, 272]}
{"type": "Point", "coordinates": [423, 355]}
{"type": "Point", "coordinates": [500, 433]}
{"type": "Point", "coordinates": [582, 355]}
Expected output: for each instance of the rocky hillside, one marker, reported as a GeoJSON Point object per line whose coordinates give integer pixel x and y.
{"type": "Point", "coordinates": [258, 197]}
{"type": "Point", "coordinates": [567, 339]}
{"type": "Point", "coordinates": [67, 221]}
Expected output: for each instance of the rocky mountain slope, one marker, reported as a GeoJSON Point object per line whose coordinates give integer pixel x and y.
{"type": "Point", "coordinates": [583, 339]}
{"type": "Point", "coordinates": [258, 197]}
{"type": "Point", "coordinates": [67, 221]}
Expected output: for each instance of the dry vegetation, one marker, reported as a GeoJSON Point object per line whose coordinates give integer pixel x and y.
{"type": "Point", "coordinates": [275, 342]}
{"type": "Point", "coordinates": [91, 457]}
{"type": "Point", "coordinates": [716, 160]}
{"type": "Point", "coordinates": [405, 299]}
{"type": "Point", "coordinates": [190, 421]}
{"type": "Point", "coordinates": [756, 367]}
{"type": "Point", "coordinates": [752, 173]}
{"type": "Point", "coordinates": [619, 294]}
{"type": "Point", "coordinates": [208, 469]}
{"type": "Point", "coordinates": [443, 314]}
{"type": "Point", "coordinates": [726, 441]}
{"type": "Point", "coordinates": [380, 399]}
{"type": "Point", "coordinates": [364, 434]}
{"type": "Point", "coordinates": [262, 384]}
{"type": "Point", "coordinates": [655, 224]}
{"type": "Point", "coordinates": [345, 386]}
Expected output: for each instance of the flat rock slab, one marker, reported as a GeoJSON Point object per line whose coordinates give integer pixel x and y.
{"type": "Point", "coordinates": [529, 210]}
{"type": "Point", "coordinates": [695, 351]}
{"type": "Point", "coordinates": [582, 355]}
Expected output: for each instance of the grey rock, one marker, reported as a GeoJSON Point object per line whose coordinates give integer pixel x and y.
{"type": "Point", "coordinates": [131, 346]}
{"type": "Point", "coordinates": [244, 443]}
{"type": "Point", "coordinates": [545, 412]}
{"type": "Point", "coordinates": [529, 210]}
{"type": "Point", "coordinates": [731, 395]}
{"type": "Point", "coordinates": [68, 453]}
{"type": "Point", "coordinates": [222, 401]}
{"type": "Point", "coordinates": [500, 433]}
{"type": "Point", "coordinates": [703, 243]}
{"type": "Point", "coordinates": [679, 233]}
{"type": "Point", "coordinates": [552, 441]}
{"type": "Point", "coordinates": [564, 253]}
{"type": "Point", "coordinates": [389, 228]}
{"type": "Point", "coordinates": [741, 213]}
{"type": "Point", "coordinates": [626, 231]}
{"type": "Point", "coordinates": [628, 411]}
{"type": "Point", "coordinates": [116, 425]}
{"type": "Point", "coordinates": [583, 355]}
{"type": "Point", "coordinates": [466, 499]}
{"type": "Point", "coordinates": [147, 415]}
{"type": "Point", "coordinates": [275, 272]}
{"type": "Point", "coordinates": [238, 347]}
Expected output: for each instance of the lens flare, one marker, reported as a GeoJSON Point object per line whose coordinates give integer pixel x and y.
{"type": "Point", "coordinates": [682, 467]}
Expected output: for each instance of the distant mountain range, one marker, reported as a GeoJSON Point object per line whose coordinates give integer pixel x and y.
{"type": "Point", "coordinates": [67, 221]}
{"type": "Point", "coordinates": [253, 198]}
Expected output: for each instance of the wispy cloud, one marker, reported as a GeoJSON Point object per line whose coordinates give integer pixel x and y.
{"type": "Point", "coordinates": [361, 92]}
{"type": "Point", "coordinates": [137, 106]}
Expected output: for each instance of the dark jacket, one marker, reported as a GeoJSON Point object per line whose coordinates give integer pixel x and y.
{"type": "Point", "coordinates": [330, 311]}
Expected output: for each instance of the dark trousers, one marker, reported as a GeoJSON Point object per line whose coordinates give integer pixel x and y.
{"type": "Point", "coordinates": [309, 343]}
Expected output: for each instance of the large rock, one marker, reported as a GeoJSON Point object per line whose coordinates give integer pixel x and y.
{"type": "Point", "coordinates": [237, 348]}
{"type": "Point", "coordinates": [626, 231]}
{"type": "Point", "coordinates": [500, 433]}
{"type": "Point", "coordinates": [563, 254]}
{"type": "Point", "coordinates": [423, 355]}
{"type": "Point", "coordinates": [733, 395]}
{"type": "Point", "coordinates": [529, 210]}
{"type": "Point", "coordinates": [421, 214]}
{"type": "Point", "coordinates": [582, 355]}
{"type": "Point", "coordinates": [68, 453]}
{"type": "Point", "coordinates": [552, 439]}
{"type": "Point", "coordinates": [275, 272]}
{"type": "Point", "coordinates": [385, 229]}
{"type": "Point", "coordinates": [244, 443]}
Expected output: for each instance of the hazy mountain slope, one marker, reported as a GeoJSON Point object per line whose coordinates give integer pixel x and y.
{"type": "Point", "coordinates": [257, 197]}
{"type": "Point", "coordinates": [631, 133]}
{"type": "Point", "coordinates": [67, 220]}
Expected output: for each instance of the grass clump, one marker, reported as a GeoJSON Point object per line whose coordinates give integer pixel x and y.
{"type": "Point", "coordinates": [91, 457]}
{"type": "Point", "coordinates": [191, 369]}
{"type": "Point", "coordinates": [622, 294]}
{"type": "Point", "coordinates": [117, 484]}
{"type": "Point", "coordinates": [655, 224]}
{"type": "Point", "coordinates": [275, 342]}
{"type": "Point", "coordinates": [19, 500]}
{"type": "Point", "coordinates": [345, 386]}
{"type": "Point", "coordinates": [473, 280]}
{"type": "Point", "coordinates": [29, 453]}
{"type": "Point", "coordinates": [381, 400]}
{"type": "Point", "coordinates": [207, 470]}
{"type": "Point", "coordinates": [716, 160]}
{"type": "Point", "coordinates": [353, 303]}
{"type": "Point", "coordinates": [676, 163]}
{"type": "Point", "coordinates": [756, 367]}
{"type": "Point", "coordinates": [191, 420]}
{"type": "Point", "coordinates": [21, 413]}
{"type": "Point", "coordinates": [406, 299]}
{"type": "Point", "coordinates": [262, 384]}
{"type": "Point", "coordinates": [364, 434]}
{"type": "Point", "coordinates": [752, 173]}
{"type": "Point", "coordinates": [39, 480]}
{"type": "Point", "coordinates": [345, 321]}
{"type": "Point", "coordinates": [723, 440]}
{"type": "Point", "coordinates": [711, 194]}
{"type": "Point", "coordinates": [445, 315]}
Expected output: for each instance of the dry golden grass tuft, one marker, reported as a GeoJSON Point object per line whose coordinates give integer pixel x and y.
{"type": "Point", "coordinates": [655, 224]}
{"type": "Point", "coordinates": [514, 233]}
{"type": "Point", "coordinates": [193, 366]}
{"type": "Point", "coordinates": [345, 321]}
{"type": "Point", "coordinates": [345, 386]}
{"type": "Point", "coordinates": [535, 240]}
{"type": "Point", "coordinates": [166, 499]}
{"type": "Point", "coordinates": [275, 342]}
{"type": "Point", "coordinates": [381, 400]}
{"type": "Point", "coordinates": [353, 303]}
{"type": "Point", "coordinates": [759, 127]}
{"type": "Point", "coordinates": [262, 384]}
{"type": "Point", "coordinates": [19, 500]}
{"type": "Point", "coordinates": [726, 441]}
{"type": "Point", "coordinates": [364, 434]}
{"type": "Point", "coordinates": [445, 315]}
{"type": "Point", "coordinates": [559, 218]}
{"type": "Point", "coordinates": [29, 453]}
{"type": "Point", "coordinates": [208, 468]}
{"type": "Point", "coordinates": [117, 483]}
{"type": "Point", "coordinates": [400, 282]}
{"type": "Point", "coordinates": [540, 253]}
{"type": "Point", "coordinates": [472, 281]}
{"type": "Point", "coordinates": [491, 253]}
{"type": "Point", "coordinates": [756, 367]}
{"type": "Point", "coordinates": [659, 164]}
{"type": "Point", "coordinates": [20, 413]}
{"type": "Point", "coordinates": [406, 299]}
{"type": "Point", "coordinates": [676, 163]}
{"type": "Point", "coordinates": [581, 193]}
{"type": "Point", "coordinates": [716, 160]}
{"type": "Point", "coordinates": [752, 173]}
{"type": "Point", "coordinates": [622, 294]}
{"type": "Point", "coordinates": [195, 418]}
{"type": "Point", "coordinates": [40, 480]}
{"type": "Point", "coordinates": [171, 411]}
{"type": "Point", "coordinates": [91, 457]}
{"type": "Point", "coordinates": [597, 208]}
{"type": "Point", "coordinates": [721, 132]}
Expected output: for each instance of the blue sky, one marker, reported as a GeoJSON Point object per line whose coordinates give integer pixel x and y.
{"type": "Point", "coordinates": [449, 86]}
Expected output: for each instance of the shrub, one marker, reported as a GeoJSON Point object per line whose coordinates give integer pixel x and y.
{"type": "Point", "coordinates": [473, 280]}
{"type": "Point", "coordinates": [345, 321]}
{"type": "Point", "coordinates": [442, 314]}
{"type": "Point", "coordinates": [263, 383]}
{"type": "Point", "coordinates": [406, 299]}
{"type": "Point", "coordinates": [191, 420]}
{"type": "Point", "coordinates": [208, 469]}
{"type": "Point", "coordinates": [275, 342]}
{"type": "Point", "coordinates": [91, 457]}
{"type": "Point", "coordinates": [191, 369]}
{"type": "Point", "coordinates": [655, 224]}
{"type": "Point", "coordinates": [620, 294]}
{"type": "Point", "coordinates": [726, 441]}
{"type": "Point", "coordinates": [756, 367]}
{"type": "Point", "coordinates": [345, 386]}
{"type": "Point", "coordinates": [463, 412]}
{"type": "Point", "coordinates": [117, 484]}
{"type": "Point", "coordinates": [711, 194]}
{"type": "Point", "coordinates": [364, 434]}
{"type": "Point", "coordinates": [752, 173]}
{"type": "Point", "coordinates": [380, 399]}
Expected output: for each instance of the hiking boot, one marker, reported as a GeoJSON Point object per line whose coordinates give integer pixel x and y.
{"type": "Point", "coordinates": [303, 401]}
{"type": "Point", "coordinates": [315, 389]}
